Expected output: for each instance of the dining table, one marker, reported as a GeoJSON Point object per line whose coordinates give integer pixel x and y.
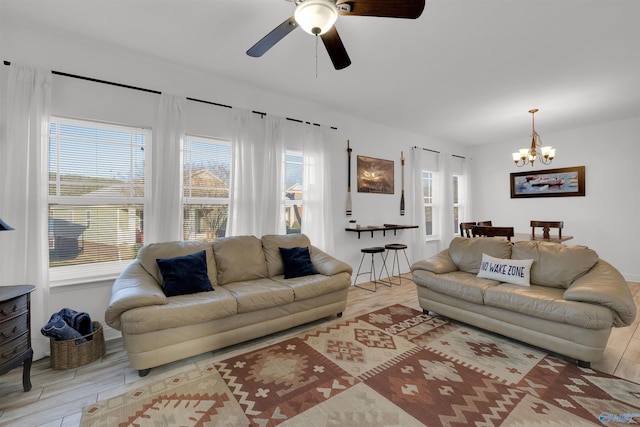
{"type": "Point", "coordinates": [523, 237]}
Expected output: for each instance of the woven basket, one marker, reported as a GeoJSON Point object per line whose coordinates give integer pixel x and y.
{"type": "Point", "coordinates": [67, 354]}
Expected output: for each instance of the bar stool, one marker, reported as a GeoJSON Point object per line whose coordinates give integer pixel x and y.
{"type": "Point", "coordinates": [373, 250]}
{"type": "Point", "coordinates": [395, 247]}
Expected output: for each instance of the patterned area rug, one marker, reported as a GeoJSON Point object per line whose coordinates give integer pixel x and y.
{"type": "Point", "coordinates": [393, 367]}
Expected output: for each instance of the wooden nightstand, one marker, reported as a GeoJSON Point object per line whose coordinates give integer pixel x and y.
{"type": "Point", "coordinates": [15, 331]}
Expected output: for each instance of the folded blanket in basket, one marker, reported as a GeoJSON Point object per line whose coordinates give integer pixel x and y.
{"type": "Point", "coordinates": [68, 324]}
{"type": "Point", "coordinates": [80, 321]}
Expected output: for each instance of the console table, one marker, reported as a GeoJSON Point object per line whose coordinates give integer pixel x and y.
{"type": "Point", "coordinates": [15, 331]}
{"type": "Point", "coordinates": [384, 228]}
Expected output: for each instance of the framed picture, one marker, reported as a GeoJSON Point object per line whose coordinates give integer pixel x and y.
{"type": "Point", "coordinates": [375, 175]}
{"type": "Point", "coordinates": [561, 182]}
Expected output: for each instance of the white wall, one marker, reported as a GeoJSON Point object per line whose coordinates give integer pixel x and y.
{"type": "Point", "coordinates": [81, 99]}
{"type": "Point", "coordinates": [372, 140]}
{"type": "Point", "coordinates": [604, 219]}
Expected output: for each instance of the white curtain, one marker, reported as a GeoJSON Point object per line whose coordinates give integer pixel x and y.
{"type": "Point", "coordinates": [257, 156]}
{"type": "Point", "coordinates": [23, 199]}
{"type": "Point", "coordinates": [257, 181]}
{"type": "Point", "coordinates": [272, 209]}
{"type": "Point", "coordinates": [416, 205]}
{"type": "Point", "coordinates": [465, 194]}
{"type": "Point", "coordinates": [165, 216]}
{"type": "Point", "coordinates": [317, 221]}
{"type": "Point", "coordinates": [244, 195]}
{"type": "Point", "coordinates": [445, 200]}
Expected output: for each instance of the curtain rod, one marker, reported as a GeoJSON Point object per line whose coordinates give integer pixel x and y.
{"type": "Point", "coordinates": [141, 89]}
{"type": "Point", "coordinates": [437, 152]}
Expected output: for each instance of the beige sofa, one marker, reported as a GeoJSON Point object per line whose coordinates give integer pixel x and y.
{"type": "Point", "coordinates": [250, 297]}
{"type": "Point", "coordinates": [573, 301]}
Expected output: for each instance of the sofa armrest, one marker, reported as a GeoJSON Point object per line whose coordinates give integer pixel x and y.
{"type": "Point", "coordinates": [326, 264]}
{"type": "Point", "coordinates": [439, 263]}
{"type": "Point", "coordinates": [604, 285]}
{"type": "Point", "coordinates": [135, 287]}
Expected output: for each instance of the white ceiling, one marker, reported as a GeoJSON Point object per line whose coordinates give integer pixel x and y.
{"type": "Point", "coordinates": [466, 71]}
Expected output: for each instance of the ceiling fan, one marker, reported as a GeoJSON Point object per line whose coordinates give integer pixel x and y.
{"type": "Point", "coordinates": [317, 17]}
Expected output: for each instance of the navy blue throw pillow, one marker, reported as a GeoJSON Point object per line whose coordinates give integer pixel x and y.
{"type": "Point", "coordinates": [297, 262]}
{"type": "Point", "coordinates": [185, 274]}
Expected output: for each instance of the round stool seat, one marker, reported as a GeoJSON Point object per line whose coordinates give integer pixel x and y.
{"type": "Point", "coordinates": [395, 262]}
{"type": "Point", "coordinates": [396, 246]}
{"type": "Point", "coordinates": [372, 250]}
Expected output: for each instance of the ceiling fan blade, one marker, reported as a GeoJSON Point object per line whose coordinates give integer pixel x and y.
{"type": "Point", "coordinates": [409, 9]}
{"type": "Point", "coordinates": [268, 41]}
{"type": "Point", "coordinates": [335, 48]}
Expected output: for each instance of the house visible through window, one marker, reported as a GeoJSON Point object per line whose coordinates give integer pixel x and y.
{"type": "Point", "coordinates": [96, 195]}
{"type": "Point", "coordinates": [206, 177]}
{"type": "Point", "coordinates": [293, 168]}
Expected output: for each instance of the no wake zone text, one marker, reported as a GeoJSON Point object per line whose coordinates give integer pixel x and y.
{"type": "Point", "coordinates": [508, 270]}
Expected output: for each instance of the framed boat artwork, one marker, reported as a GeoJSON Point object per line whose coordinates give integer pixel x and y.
{"type": "Point", "coordinates": [560, 182]}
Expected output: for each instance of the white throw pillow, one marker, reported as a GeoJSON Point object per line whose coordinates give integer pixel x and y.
{"type": "Point", "coordinates": [516, 271]}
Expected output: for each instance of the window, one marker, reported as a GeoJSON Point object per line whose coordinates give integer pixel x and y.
{"type": "Point", "coordinates": [97, 193]}
{"type": "Point", "coordinates": [456, 204]}
{"type": "Point", "coordinates": [207, 173]}
{"type": "Point", "coordinates": [293, 168]}
{"type": "Point", "coordinates": [429, 205]}
{"type": "Point", "coordinates": [427, 189]}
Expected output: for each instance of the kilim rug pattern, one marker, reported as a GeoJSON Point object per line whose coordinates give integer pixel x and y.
{"type": "Point", "coordinates": [392, 367]}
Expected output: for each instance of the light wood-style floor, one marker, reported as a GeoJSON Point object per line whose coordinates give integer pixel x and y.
{"type": "Point", "coordinates": [57, 397]}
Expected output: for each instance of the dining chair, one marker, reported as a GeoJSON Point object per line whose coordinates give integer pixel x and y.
{"type": "Point", "coordinates": [485, 223]}
{"type": "Point", "coordinates": [465, 228]}
{"type": "Point", "coordinates": [486, 231]}
{"type": "Point", "coordinates": [546, 228]}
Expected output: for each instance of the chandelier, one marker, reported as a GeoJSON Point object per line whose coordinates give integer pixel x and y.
{"type": "Point", "coordinates": [528, 155]}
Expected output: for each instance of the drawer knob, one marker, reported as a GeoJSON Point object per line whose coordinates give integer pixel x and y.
{"type": "Point", "coordinates": [13, 310]}
{"type": "Point", "coordinates": [10, 334]}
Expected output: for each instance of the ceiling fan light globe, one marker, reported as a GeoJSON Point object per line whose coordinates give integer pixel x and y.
{"type": "Point", "coordinates": [316, 17]}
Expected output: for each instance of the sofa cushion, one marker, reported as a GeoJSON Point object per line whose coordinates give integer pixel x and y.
{"type": "Point", "coordinates": [185, 274]}
{"type": "Point", "coordinates": [260, 294]}
{"type": "Point", "coordinates": [547, 303]}
{"type": "Point", "coordinates": [181, 310]}
{"type": "Point", "coordinates": [554, 264]}
{"type": "Point", "coordinates": [315, 286]}
{"type": "Point", "coordinates": [148, 254]}
{"type": "Point", "coordinates": [457, 284]}
{"type": "Point", "coordinates": [239, 258]}
{"type": "Point", "coordinates": [271, 244]}
{"type": "Point", "coordinates": [297, 262]}
{"type": "Point", "coordinates": [513, 271]}
{"type": "Point", "coordinates": [467, 253]}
